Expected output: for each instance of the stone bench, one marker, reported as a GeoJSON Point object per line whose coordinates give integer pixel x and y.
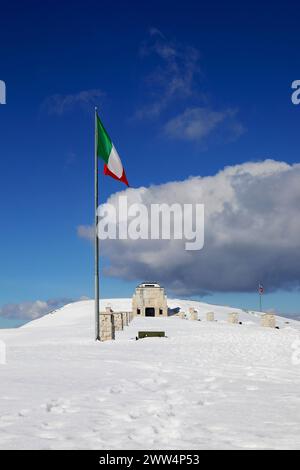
{"type": "Point", "coordinates": [151, 334]}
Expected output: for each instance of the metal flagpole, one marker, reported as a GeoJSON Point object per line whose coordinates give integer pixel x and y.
{"type": "Point", "coordinates": [260, 302]}
{"type": "Point", "coordinates": [260, 293]}
{"type": "Point", "coordinates": [97, 301]}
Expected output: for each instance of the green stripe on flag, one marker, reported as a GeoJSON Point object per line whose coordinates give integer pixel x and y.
{"type": "Point", "coordinates": [104, 144]}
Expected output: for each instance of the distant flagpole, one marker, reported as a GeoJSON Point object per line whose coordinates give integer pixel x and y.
{"type": "Point", "coordinates": [260, 292]}
{"type": "Point", "coordinates": [97, 298]}
{"type": "Point", "coordinates": [260, 302]}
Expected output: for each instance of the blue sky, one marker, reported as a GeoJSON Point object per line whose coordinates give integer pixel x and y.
{"type": "Point", "coordinates": [50, 53]}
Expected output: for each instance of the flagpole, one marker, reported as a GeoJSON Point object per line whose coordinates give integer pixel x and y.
{"type": "Point", "coordinates": [260, 293]}
{"type": "Point", "coordinates": [97, 301]}
{"type": "Point", "coordinates": [260, 302]}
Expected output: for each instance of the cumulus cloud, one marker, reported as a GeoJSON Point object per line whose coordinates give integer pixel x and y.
{"type": "Point", "coordinates": [60, 104]}
{"type": "Point", "coordinates": [32, 310]}
{"type": "Point", "coordinates": [252, 226]}
{"type": "Point", "coordinates": [195, 124]}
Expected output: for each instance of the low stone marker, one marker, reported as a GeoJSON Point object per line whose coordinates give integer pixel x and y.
{"type": "Point", "coordinates": [233, 317]}
{"type": "Point", "coordinates": [181, 315]}
{"type": "Point", "coordinates": [210, 316]}
{"type": "Point", "coordinates": [107, 326]}
{"type": "Point", "coordinates": [193, 314]}
{"type": "Point", "coordinates": [268, 320]}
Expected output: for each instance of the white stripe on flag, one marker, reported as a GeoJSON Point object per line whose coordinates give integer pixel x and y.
{"type": "Point", "coordinates": [114, 163]}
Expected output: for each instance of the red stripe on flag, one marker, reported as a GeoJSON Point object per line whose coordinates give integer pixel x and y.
{"type": "Point", "coordinates": [109, 173]}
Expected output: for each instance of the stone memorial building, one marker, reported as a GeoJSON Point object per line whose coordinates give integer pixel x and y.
{"type": "Point", "coordinates": [149, 300]}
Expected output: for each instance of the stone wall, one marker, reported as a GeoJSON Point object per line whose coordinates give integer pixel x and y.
{"type": "Point", "coordinates": [111, 321]}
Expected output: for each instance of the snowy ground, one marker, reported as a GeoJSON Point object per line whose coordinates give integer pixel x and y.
{"type": "Point", "coordinates": [208, 385]}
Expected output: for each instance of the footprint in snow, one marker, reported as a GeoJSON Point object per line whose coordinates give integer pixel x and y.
{"type": "Point", "coordinates": [134, 415]}
{"type": "Point", "coordinates": [200, 403]}
{"type": "Point", "coordinates": [24, 413]}
{"type": "Point", "coordinates": [60, 406]}
{"type": "Point", "coordinates": [54, 425]}
{"type": "Point", "coordinates": [116, 390]}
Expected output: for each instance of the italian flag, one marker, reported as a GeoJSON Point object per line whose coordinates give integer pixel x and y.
{"type": "Point", "coordinates": [107, 151]}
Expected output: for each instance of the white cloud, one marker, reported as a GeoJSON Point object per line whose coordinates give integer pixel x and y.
{"type": "Point", "coordinates": [195, 124]}
{"type": "Point", "coordinates": [173, 78]}
{"type": "Point", "coordinates": [60, 104]}
{"type": "Point", "coordinates": [32, 310]}
{"type": "Point", "coordinates": [252, 226]}
{"type": "Point", "coordinates": [176, 79]}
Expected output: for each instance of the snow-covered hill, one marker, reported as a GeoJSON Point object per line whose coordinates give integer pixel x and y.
{"type": "Point", "coordinates": [207, 385]}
